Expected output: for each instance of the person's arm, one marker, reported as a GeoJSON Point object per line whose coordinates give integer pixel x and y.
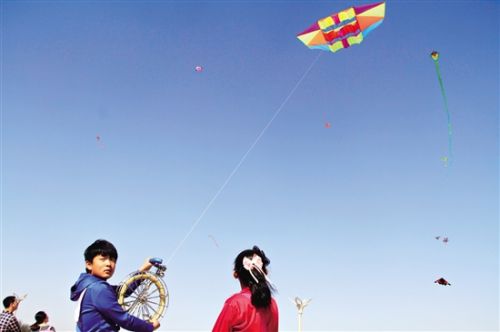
{"type": "Point", "coordinates": [146, 266]}
{"type": "Point", "coordinates": [108, 306]}
{"type": "Point", "coordinates": [226, 319]}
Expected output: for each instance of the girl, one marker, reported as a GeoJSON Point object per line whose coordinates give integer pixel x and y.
{"type": "Point", "coordinates": [41, 323]}
{"type": "Point", "coordinates": [252, 309]}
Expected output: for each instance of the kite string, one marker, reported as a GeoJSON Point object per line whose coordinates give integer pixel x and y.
{"type": "Point", "coordinates": [236, 168]}
{"type": "Point", "coordinates": [448, 117]}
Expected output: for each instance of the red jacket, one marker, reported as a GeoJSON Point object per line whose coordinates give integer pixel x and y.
{"type": "Point", "coordinates": [239, 314]}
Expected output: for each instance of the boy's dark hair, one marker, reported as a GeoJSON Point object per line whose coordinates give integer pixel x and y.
{"type": "Point", "coordinates": [261, 292]}
{"type": "Point", "coordinates": [8, 301]}
{"type": "Point", "coordinates": [100, 247]}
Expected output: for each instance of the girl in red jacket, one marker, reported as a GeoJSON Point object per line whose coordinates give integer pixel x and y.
{"type": "Point", "coordinates": [253, 309]}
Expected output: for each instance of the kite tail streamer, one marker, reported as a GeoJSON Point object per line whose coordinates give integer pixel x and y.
{"type": "Point", "coordinates": [435, 57]}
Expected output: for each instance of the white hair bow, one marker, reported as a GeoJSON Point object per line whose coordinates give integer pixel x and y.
{"type": "Point", "coordinates": [255, 262]}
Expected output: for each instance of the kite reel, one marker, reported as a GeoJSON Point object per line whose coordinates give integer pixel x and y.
{"type": "Point", "coordinates": [145, 294]}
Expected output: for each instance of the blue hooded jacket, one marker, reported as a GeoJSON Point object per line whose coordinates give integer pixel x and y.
{"type": "Point", "coordinates": [100, 311]}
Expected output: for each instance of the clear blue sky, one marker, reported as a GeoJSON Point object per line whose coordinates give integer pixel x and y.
{"type": "Point", "coordinates": [347, 214]}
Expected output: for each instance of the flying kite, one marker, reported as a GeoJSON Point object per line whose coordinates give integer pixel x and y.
{"type": "Point", "coordinates": [328, 125]}
{"type": "Point", "coordinates": [198, 69]}
{"type": "Point", "coordinates": [435, 57]}
{"type": "Point", "coordinates": [213, 239]}
{"type": "Point", "coordinates": [343, 29]}
{"type": "Point", "coordinates": [445, 239]}
{"type": "Point", "coordinates": [99, 142]}
{"type": "Point", "coordinates": [442, 281]}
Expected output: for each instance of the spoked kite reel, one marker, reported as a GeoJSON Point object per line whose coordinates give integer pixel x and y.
{"type": "Point", "coordinates": [145, 294]}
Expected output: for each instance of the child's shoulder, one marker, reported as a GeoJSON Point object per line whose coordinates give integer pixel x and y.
{"type": "Point", "coordinates": [243, 296]}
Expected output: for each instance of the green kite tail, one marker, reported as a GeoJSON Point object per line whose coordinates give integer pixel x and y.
{"type": "Point", "coordinates": [443, 92]}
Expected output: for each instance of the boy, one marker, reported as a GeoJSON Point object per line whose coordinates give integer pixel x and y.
{"type": "Point", "coordinates": [8, 322]}
{"type": "Point", "coordinates": [99, 310]}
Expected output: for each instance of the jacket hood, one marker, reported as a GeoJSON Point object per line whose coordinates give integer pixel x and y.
{"type": "Point", "coordinates": [84, 280]}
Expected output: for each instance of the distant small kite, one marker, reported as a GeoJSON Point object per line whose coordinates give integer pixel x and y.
{"type": "Point", "coordinates": [445, 239]}
{"type": "Point", "coordinates": [213, 239]}
{"type": "Point", "coordinates": [198, 69]}
{"type": "Point", "coordinates": [442, 281]}
{"type": "Point", "coordinates": [343, 29]}
{"type": "Point", "coordinates": [328, 125]}
{"type": "Point", "coordinates": [98, 141]}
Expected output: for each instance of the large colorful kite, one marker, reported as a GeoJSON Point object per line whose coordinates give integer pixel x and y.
{"type": "Point", "coordinates": [344, 28]}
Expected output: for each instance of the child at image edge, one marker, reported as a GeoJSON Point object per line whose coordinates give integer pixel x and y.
{"type": "Point", "coordinates": [99, 310]}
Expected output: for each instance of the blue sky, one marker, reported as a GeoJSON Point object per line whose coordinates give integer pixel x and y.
{"type": "Point", "coordinates": [347, 214]}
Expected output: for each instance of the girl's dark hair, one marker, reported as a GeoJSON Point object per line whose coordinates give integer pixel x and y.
{"type": "Point", "coordinates": [39, 318]}
{"type": "Point", "coordinates": [100, 247]}
{"type": "Point", "coordinates": [261, 291]}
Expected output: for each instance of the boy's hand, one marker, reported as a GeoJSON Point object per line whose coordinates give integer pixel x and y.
{"type": "Point", "coordinates": [146, 266]}
{"type": "Point", "coordinates": [156, 324]}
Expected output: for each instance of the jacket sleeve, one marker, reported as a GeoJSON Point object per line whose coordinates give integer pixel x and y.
{"type": "Point", "coordinates": [227, 317]}
{"type": "Point", "coordinates": [108, 306]}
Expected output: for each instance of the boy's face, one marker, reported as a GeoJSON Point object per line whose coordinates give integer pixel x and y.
{"type": "Point", "coordinates": [101, 266]}
{"type": "Point", "coordinates": [15, 305]}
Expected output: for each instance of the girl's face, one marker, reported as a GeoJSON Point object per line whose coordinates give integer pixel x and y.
{"type": "Point", "coordinates": [101, 266]}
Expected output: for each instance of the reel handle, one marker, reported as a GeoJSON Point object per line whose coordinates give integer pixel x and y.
{"type": "Point", "coordinates": [156, 261]}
